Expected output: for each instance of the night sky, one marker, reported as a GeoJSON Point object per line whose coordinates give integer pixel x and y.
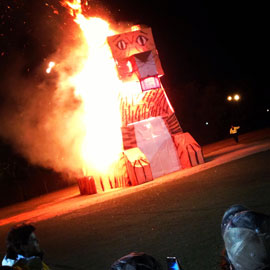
{"type": "Point", "coordinates": [208, 49]}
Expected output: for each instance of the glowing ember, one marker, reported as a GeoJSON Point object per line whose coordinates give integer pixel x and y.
{"type": "Point", "coordinates": [50, 66]}
{"type": "Point", "coordinates": [135, 27]}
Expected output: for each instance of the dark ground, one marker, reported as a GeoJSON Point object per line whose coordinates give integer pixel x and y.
{"type": "Point", "coordinates": [178, 218]}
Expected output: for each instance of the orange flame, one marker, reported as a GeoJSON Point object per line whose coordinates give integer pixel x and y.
{"type": "Point", "coordinates": [98, 86]}
{"type": "Point", "coordinates": [74, 7]}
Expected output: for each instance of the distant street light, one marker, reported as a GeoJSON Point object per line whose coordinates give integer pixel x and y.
{"type": "Point", "coordinates": [234, 107]}
{"type": "Point", "coordinates": [236, 97]}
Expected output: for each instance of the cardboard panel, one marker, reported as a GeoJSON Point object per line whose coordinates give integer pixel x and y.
{"type": "Point", "coordinates": [143, 106]}
{"type": "Point", "coordinates": [87, 185]}
{"type": "Point", "coordinates": [155, 141]}
{"type": "Point", "coordinates": [128, 135]}
{"type": "Point", "coordinates": [146, 64]}
{"type": "Point", "coordinates": [138, 166]}
{"type": "Point", "coordinates": [172, 124]}
{"type": "Point", "coordinates": [189, 151]}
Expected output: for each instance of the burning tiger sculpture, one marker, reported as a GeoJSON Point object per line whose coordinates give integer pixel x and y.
{"type": "Point", "coordinates": [154, 143]}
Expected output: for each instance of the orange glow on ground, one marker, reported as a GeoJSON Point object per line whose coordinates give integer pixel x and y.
{"type": "Point", "coordinates": [68, 200]}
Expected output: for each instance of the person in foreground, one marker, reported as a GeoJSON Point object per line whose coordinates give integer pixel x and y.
{"type": "Point", "coordinates": [136, 261]}
{"type": "Point", "coordinates": [23, 250]}
{"type": "Point", "coordinates": [246, 236]}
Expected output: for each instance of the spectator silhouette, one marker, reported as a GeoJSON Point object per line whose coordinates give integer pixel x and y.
{"type": "Point", "coordinates": [23, 250]}
{"type": "Point", "coordinates": [246, 236]}
{"type": "Point", "coordinates": [136, 261]}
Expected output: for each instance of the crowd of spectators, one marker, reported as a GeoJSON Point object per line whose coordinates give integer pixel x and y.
{"type": "Point", "coordinates": [246, 236]}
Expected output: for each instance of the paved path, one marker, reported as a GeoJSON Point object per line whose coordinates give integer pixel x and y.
{"type": "Point", "coordinates": [178, 215]}
{"type": "Point", "coordinates": [68, 200]}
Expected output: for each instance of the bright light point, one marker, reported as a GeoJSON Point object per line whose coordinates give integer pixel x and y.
{"type": "Point", "coordinates": [148, 125]}
{"type": "Point", "coordinates": [206, 123]}
{"type": "Point", "coordinates": [129, 66]}
{"type": "Point", "coordinates": [236, 97]}
{"type": "Point", "coordinates": [267, 110]}
{"type": "Point", "coordinates": [50, 66]}
{"type": "Point", "coordinates": [135, 27]}
{"type": "Point", "coordinates": [229, 98]}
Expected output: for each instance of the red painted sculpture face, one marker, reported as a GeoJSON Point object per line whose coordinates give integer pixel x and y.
{"type": "Point", "coordinates": [135, 53]}
{"type": "Point", "coordinates": [128, 44]}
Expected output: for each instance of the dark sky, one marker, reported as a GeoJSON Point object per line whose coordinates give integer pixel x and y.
{"type": "Point", "coordinates": [217, 36]}
{"type": "Point", "coordinates": [208, 49]}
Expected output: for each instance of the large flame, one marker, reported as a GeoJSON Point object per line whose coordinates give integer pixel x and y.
{"type": "Point", "coordinates": [98, 86]}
